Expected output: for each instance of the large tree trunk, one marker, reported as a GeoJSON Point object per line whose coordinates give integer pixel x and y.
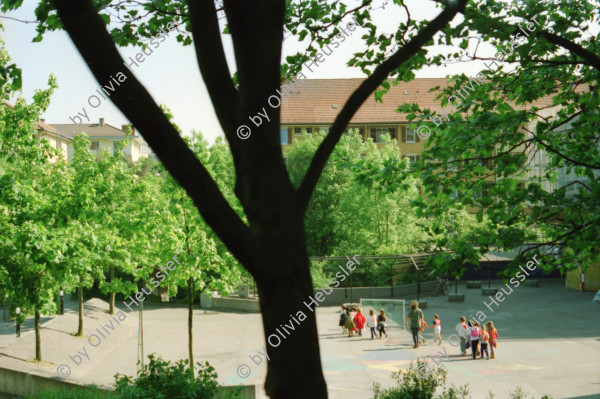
{"type": "Point", "coordinates": [111, 295]}
{"type": "Point", "coordinates": [80, 300]}
{"type": "Point", "coordinates": [297, 357]}
{"type": "Point", "coordinates": [190, 284]}
{"type": "Point", "coordinates": [38, 337]}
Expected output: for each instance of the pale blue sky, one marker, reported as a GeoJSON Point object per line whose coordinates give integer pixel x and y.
{"type": "Point", "coordinates": [170, 73]}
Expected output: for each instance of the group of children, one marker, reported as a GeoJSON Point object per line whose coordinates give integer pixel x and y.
{"type": "Point", "coordinates": [470, 333]}
{"type": "Point", "coordinates": [487, 335]}
{"type": "Point", "coordinates": [353, 321]}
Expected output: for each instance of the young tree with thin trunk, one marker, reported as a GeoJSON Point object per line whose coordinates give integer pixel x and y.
{"type": "Point", "coordinates": [32, 242]}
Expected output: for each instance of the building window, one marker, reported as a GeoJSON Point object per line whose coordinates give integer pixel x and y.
{"type": "Point", "coordinates": [94, 145]}
{"type": "Point", "coordinates": [309, 130]}
{"type": "Point", "coordinates": [412, 158]}
{"type": "Point", "coordinates": [297, 130]}
{"type": "Point", "coordinates": [283, 136]}
{"type": "Point", "coordinates": [378, 132]}
{"type": "Point", "coordinates": [482, 192]}
{"type": "Point", "coordinates": [323, 129]}
{"type": "Point", "coordinates": [411, 135]}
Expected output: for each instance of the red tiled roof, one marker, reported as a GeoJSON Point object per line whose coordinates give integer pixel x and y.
{"type": "Point", "coordinates": [313, 101]}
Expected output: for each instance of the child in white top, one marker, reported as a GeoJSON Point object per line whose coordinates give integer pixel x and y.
{"type": "Point", "coordinates": [475, 333]}
{"type": "Point", "coordinates": [437, 329]}
{"type": "Point", "coordinates": [372, 323]}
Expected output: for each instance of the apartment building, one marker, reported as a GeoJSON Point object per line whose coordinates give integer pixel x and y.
{"type": "Point", "coordinates": [57, 139]}
{"type": "Point", "coordinates": [105, 136]}
{"type": "Point", "coordinates": [314, 105]}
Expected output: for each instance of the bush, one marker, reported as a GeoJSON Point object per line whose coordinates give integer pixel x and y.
{"type": "Point", "coordinates": [157, 380]}
{"type": "Point", "coordinates": [411, 384]}
{"type": "Point", "coordinates": [160, 379]}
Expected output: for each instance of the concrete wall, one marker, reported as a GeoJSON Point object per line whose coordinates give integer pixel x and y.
{"type": "Point", "coordinates": [343, 295]}
{"type": "Point", "coordinates": [23, 384]}
{"type": "Point", "coordinates": [338, 297]}
{"type": "Point", "coordinates": [244, 305]}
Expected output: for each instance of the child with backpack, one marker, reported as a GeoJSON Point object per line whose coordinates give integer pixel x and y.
{"type": "Point", "coordinates": [349, 324]}
{"type": "Point", "coordinates": [493, 333]}
{"type": "Point", "coordinates": [475, 333]}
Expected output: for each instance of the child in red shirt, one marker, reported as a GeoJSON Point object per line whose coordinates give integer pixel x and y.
{"type": "Point", "coordinates": [360, 321]}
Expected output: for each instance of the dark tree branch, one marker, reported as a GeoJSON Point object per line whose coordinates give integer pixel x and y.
{"type": "Point", "coordinates": [560, 154]}
{"type": "Point", "coordinates": [362, 93]}
{"type": "Point", "coordinates": [578, 230]}
{"type": "Point", "coordinates": [213, 64]}
{"type": "Point", "coordinates": [578, 182]}
{"type": "Point", "coordinates": [88, 33]}
{"type": "Point", "coordinates": [574, 48]}
{"type": "Point", "coordinates": [461, 160]}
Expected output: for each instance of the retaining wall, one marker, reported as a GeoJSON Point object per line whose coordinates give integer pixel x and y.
{"type": "Point", "coordinates": [245, 305]}
{"type": "Point", "coordinates": [23, 384]}
{"type": "Point", "coordinates": [340, 296]}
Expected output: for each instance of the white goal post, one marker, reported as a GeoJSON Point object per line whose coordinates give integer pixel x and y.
{"type": "Point", "coordinates": [395, 312]}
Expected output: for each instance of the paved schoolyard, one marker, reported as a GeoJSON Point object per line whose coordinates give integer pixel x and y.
{"type": "Point", "coordinates": [549, 343]}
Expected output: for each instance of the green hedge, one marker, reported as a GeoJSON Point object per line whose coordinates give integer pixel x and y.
{"type": "Point", "coordinates": [159, 379]}
{"type": "Point", "coordinates": [422, 381]}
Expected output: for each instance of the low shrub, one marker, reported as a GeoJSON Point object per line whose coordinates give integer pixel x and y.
{"type": "Point", "coordinates": [159, 379]}
{"type": "Point", "coordinates": [422, 382]}
{"type": "Point", "coordinates": [413, 384]}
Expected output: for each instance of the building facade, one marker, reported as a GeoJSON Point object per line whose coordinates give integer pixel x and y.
{"type": "Point", "coordinates": [313, 106]}
{"type": "Point", "coordinates": [104, 136]}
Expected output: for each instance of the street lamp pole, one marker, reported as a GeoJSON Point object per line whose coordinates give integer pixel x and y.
{"type": "Point", "coordinates": [18, 312]}
{"type": "Point", "coordinates": [62, 302]}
